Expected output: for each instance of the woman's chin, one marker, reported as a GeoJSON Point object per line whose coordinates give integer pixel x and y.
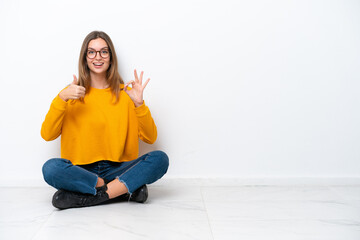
{"type": "Point", "coordinates": [98, 71]}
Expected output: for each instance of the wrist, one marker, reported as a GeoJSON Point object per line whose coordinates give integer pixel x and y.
{"type": "Point", "coordinates": [61, 95]}
{"type": "Point", "coordinates": [138, 104]}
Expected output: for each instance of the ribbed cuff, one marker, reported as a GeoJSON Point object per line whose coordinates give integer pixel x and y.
{"type": "Point", "coordinates": [141, 110]}
{"type": "Point", "coordinates": [59, 104]}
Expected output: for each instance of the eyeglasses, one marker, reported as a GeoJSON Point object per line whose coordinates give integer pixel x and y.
{"type": "Point", "coordinates": [104, 53]}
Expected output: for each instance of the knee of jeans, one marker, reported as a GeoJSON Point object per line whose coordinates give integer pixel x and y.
{"type": "Point", "coordinates": [50, 167]}
{"type": "Point", "coordinates": [161, 159]}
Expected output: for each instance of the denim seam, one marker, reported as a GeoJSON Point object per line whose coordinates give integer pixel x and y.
{"type": "Point", "coordinates": [132, 167]}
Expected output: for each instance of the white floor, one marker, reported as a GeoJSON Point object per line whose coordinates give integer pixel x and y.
{"type": "Point", "coordinates": [181, 212]}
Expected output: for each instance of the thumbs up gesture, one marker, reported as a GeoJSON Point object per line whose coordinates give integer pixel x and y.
{"type": "Point", "coordinates": [73, 91]}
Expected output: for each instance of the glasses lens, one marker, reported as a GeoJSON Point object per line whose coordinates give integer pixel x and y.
{"type": "Point", "coordinates": [104, 53]}
{"type": "Point", "coordinates": [91, 54]}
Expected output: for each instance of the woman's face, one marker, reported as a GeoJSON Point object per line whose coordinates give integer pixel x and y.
{"type": "Point", "coordinates": [98, 56]}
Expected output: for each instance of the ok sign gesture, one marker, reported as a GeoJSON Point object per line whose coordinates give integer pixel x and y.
{"type": "Point", "coordinates": [136, 92]}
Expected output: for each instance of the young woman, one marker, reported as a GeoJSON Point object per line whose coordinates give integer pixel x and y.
{"type": "Point", "coordinates": [100, 121]}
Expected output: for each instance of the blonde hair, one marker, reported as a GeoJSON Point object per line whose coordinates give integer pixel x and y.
{"type": "Point", "coordinates": [112, 76]}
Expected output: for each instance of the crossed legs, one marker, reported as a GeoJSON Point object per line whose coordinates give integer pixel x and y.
{"type": "Point", "coordinates": [121, 178]}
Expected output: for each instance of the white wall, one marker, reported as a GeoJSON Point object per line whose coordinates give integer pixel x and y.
{"type": "Point", "coordinates": [238, 88]}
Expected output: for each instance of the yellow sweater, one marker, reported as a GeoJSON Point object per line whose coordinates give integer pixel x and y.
{"type": "Point", "coordinates": [98, 129]}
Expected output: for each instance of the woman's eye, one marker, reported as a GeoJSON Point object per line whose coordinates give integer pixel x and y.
{"type": "Point", "coordinates": [104, 52]}
{"type": "Point", "coordinates": [91, 52]}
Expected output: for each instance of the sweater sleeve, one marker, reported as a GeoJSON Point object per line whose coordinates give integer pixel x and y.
{"type": "Point", "coordinates": [147, 127]}
{"type": "Point", "coordinates": [52, 125]}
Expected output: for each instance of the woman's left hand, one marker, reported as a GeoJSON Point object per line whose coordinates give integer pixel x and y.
{"type": "Point", "coordinates": [136, 92]}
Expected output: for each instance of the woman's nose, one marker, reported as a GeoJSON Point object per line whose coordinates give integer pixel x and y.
{"type": "Point", "coordinates": [97, 57]}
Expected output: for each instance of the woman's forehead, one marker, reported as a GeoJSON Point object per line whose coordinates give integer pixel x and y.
{"type": "Point", "coordinates": [97, 43]}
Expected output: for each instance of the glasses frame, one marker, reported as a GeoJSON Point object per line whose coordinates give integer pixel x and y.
{"type": "Point", "coordinates": [96, 53]}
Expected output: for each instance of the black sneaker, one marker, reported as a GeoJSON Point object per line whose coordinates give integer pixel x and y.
{"type": "Point", "coordinates": [63, 199]}
{"type": "Point", "coordinates": [140, 195]}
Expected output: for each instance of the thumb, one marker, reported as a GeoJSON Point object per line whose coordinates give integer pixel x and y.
{"type": "Point", "coordinates": [126, 86]}
{"type": "Point", "coordinates": [75, 81]}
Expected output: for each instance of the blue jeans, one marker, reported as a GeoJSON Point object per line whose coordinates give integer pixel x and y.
{"type": "Point", "coordinates": [62, 174]}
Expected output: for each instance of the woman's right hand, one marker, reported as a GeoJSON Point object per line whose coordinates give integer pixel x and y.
{"type": "Point", "coordinates": [74, 91]}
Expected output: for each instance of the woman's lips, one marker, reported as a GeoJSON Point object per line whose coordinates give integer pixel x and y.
{"type": "Point", "coordinates": [98, 65]}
